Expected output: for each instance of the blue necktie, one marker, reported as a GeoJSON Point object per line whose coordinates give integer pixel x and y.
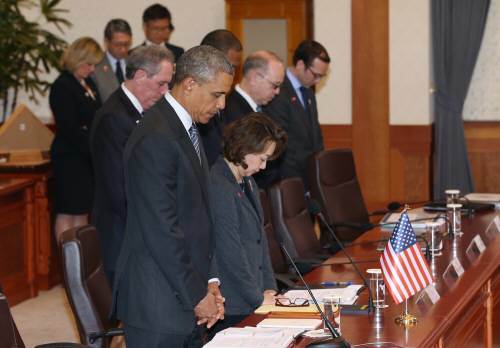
{"type": "Point", "coordinates": [195, 139]}
{"type": "Point", "coordinates": [119, 72]}
{"type": "Point", "coordinates": [258, 108]}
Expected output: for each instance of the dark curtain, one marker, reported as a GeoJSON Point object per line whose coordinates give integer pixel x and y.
{"type": "Point", "coordinates": [457, 31]}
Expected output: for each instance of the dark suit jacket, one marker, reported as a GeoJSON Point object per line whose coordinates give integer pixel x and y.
{"type": "Point", "coordinates": [304, 134]}
{"type": "Point", "coordinates": [242, 252]}
{"type": "Point", "coordinates": [167, 254]}
{"type": "Point", "coordinates": [110, 131]}
{"type": "Point", "coordinates": [211, 133]}
{"type": "Point", "coordinates": [73, 112]}
{"type": "Point", "coordinates": [176, 50]}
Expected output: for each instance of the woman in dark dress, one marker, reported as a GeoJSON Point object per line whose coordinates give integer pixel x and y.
{"type": "Point", "coordinates": [73, 100]}
{"type": "Point", "coordinates": [241, 250]}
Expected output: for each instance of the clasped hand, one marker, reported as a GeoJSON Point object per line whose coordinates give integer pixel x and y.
{"type": "Point", "coordinates": [211, 307]}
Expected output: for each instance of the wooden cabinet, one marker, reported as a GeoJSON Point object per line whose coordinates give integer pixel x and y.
{"type": "Point", "coordinates": [17, 239]}
{"type": "Point", "coordinates": [47, 258]}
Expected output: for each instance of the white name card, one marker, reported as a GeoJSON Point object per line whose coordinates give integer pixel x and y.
{"type": "Point", "coordinates": [479, 243]}
{"type": "Point", "coordinates": [496, 220]}
{"type": "Point", "coordinates": [431, 293]}
{"type": "Point", "coordinates": [456, 266]}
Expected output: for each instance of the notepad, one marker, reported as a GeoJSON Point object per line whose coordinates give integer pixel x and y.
{"type": "Point", "coordinates": [253, 337]}
{"type": "Point", "coordinates": [304, 324]}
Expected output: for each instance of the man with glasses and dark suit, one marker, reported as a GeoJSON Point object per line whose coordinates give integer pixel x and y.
{"type": "Point", "coordinates": [295, 111]}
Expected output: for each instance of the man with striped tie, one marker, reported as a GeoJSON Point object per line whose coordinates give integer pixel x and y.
{"type": "Point", "coordinates": [166, 286]}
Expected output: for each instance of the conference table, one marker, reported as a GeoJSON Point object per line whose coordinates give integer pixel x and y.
{"type": "Point", "coordinates": [467, 314]}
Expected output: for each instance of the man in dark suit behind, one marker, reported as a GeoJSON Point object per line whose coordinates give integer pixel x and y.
{"type": "Point", "coordinates": [149, 70]}
{"type": "Point", "coordinates": [211, 133]}
{"type": "Point", "coordinates": [295, 109]}
{"type": "Point", "coordinates": [164, 287]}
{"type": "Point", "coordinates": [157, 26]}
{"type": "Point", "coordinates": [263, 74]}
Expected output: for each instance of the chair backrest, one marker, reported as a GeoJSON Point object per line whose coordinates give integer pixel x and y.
{"type": "Point", "coordinates": [291, 219]}
{"type": "Point", "coordinates": [277, 259]}
{"type": "Point", "coordinates": [86, 284]}
{"type": "Point", "coordinates": [9, 335]}
{"type": "Point", "coordinates": [334, 184]}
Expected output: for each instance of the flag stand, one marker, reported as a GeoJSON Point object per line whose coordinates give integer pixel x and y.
{"type": "Point", "coordinates": [406, 319]}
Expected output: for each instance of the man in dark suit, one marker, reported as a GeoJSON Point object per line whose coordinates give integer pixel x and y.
{"type": "Point", "coordinates": [164, 289]}
{"type": "Point", "coordinates": [263, 74]}
{"type": "Point", "coordinates": [157, 26]}
{"type": "Point", "coordinates": [110, 71]}
{"type": "Point", "coordinates": [211, 133]}
{"type": "Point", "coordinates": [295, 110]}
{"type": "Point", "coordinates": [149, 70]}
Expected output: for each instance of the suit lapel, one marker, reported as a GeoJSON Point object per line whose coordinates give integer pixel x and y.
{"type": "Point", "coordinates": [299, 109]}
{"type": "Point", "coordinates": [132, 112]}
{"type": "Point", "coordinates": [184, 141]}
{"type": "Point", "coordinates": [249, 206]}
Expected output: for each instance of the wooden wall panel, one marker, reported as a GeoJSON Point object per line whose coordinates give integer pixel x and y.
{"type": "Point", "coordinates": [409, 160]}
{"type": "Point", "coordinates": [370, 96]}
{"type": "Point", "coordinates": [483, 145]}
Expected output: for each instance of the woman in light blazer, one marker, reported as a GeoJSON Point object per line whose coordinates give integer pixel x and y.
{"type": "Point", "coordinates": [242, 254]}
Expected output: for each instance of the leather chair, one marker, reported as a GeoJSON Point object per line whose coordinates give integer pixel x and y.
{"type": "Point", "coordinates": [9, 335]}
{"type": "Point", "coordinates": [292, 222]}
{"type": "Point", "coordinates": [334, 184]}
{"type": "Point", "coordinates": [284, 278]}
{"type": "Point", "coordinates": [87, 287]}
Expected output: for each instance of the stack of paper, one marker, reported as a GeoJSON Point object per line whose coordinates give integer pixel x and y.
{"type": "Point", "coordinates": [348, 295]}
{"type": "Point", "coordinates": [253, 337]}
{"type": "Point", "coordinates": [418, 219]}
{"type": "Point", "coordinates": [302, 324]}
{"type": "Point", "coordinates": [493, 198]}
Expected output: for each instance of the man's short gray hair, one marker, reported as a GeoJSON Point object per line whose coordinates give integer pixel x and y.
{"type": "Point", "coordinates": [202, 63]}
{"type": "Point", "coordinates": [259, 61]}
{"type": "Point", "coordinates": [148, 59]}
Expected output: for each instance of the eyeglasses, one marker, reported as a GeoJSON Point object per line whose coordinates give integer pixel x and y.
{"type": "Point", "coordinates": [287, 302]}
{"type": "Point", "coordinates": [273, 84]}
{"type": "Point", "coordinates": [315, 74]}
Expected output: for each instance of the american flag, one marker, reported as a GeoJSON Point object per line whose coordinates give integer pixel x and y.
{"type": "Point", "coordinates": [405, 269]}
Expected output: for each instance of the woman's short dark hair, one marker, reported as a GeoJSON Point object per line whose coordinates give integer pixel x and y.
{"type": "Point", "coordinates": [252, 134]}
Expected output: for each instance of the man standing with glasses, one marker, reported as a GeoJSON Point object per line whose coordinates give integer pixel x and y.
{"type": "Point", "coordinates": [110, 71]}
{"type": "Point", "coordinates": [263, 74]}
{"type": "Point", "coordinates": [157, 26]}
{"type": "Point", "coordinates": [295, 111]}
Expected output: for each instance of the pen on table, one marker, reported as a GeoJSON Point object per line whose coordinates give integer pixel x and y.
{"type": "Point", "coordinates": [339, 284]}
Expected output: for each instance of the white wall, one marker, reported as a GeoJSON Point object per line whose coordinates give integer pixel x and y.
{"type": "Point", "coordinates": [332, 28]}
{"type": "Point", "coordinates": [409, 48]}
{"type": "Point", "coordinates": [409, 62]}
{"type": "Point", "coordinates": [192, 20]}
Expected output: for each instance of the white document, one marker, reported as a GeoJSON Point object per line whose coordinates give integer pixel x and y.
{"type": "Point", "coordinates": [253, 337]}
{"type": "Point", "coordinates": [484, 197]}
{"type": "Point", "coordinates": [302, 324]}
{"type": "Point", "coordinates": [418, 219]}
{"type": "Point", "coordinates": [348, 295]}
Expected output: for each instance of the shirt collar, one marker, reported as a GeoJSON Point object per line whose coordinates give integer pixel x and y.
{"type": "Point", "coordinates": [293, 79]}
{"type": "Point", "coordinates": [186, 119]}
{"type": "Point", "coordinates": [247, 97]}
{"type": "Point", "coordinates": [132, 99]}
{"type": "Point", "coordinates": [112, 61]}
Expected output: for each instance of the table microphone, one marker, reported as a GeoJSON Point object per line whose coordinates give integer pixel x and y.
{"type": "Point", "coordinates": [336, 341]}
{"type": "Point", "coordinates": [316, 210]}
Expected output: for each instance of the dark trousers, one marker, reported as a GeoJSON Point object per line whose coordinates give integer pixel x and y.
{"type": "Point", "coordinates": [139, 338]}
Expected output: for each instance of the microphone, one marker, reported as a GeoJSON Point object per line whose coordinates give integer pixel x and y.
{"type": "Point", "coordinates": [337, 341]}
{"type": "Point", "coordinates": [316, 210]}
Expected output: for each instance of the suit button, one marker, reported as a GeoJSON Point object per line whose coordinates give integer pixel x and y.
{"type": "Point", "coordinates": [210, 256]}
{"type": "Point", "coordinates": [258, 241]}
{"type": "Point", "coordinates": [260, 268]}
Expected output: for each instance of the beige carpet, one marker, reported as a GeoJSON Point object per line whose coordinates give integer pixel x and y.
{"type": "Point", "coordinates": [46, 318]}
